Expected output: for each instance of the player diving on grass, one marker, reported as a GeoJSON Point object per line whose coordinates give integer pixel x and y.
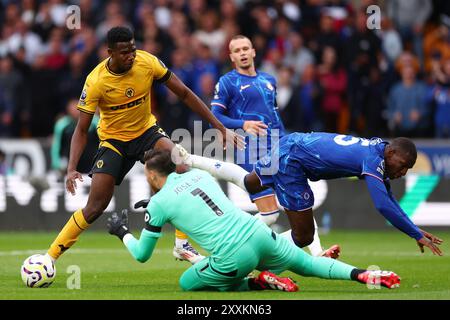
{"type": "Point", "coordinates": [317, 156]}
{"type": "Point", "coordinates": [245, 98]}
{"type": "Point", "coordinates": [120, 88]}
{"type": "Point", "coordinates": [194, 203]}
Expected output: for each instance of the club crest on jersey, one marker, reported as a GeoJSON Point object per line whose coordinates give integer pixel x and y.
{"type": "Point", "coordinates": [269, 86]}
{"type": "Point", "coordinates": [129, 92]}
{"type": "Point", "coordinates": [99, 164]}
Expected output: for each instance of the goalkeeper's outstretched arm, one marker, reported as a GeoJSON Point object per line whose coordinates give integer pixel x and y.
{"type": "Point", "coordinates": [141, 249]}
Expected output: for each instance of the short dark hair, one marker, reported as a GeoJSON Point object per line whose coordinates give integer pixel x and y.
{"type": "Point", "coordinates": [118, 34]}
{"type": "Point", "coordinates": [159, 160]}
{"type": "Point", "coordinates": [405, 146]}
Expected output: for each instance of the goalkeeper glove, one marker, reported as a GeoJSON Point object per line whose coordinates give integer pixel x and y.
{"type": "Point", "coordinates": [118, 226]}
{"type": "Point", "coordinates": [141, 204]}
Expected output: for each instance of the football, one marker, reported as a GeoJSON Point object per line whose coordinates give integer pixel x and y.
{"type": "Point", "coordinates": [38, 271]}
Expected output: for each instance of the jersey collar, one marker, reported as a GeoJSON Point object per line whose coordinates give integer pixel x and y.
{"type": "Point", "coordinates": [114, 73]}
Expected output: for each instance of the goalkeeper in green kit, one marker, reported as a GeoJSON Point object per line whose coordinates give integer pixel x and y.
{"type": "Point", "coordinates": [238, 243]}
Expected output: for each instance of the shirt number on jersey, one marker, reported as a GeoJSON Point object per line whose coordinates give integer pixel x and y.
{"type": "Point", "coordinates": [207, 200]}
{"type": "Point", "coordinates": [344, 140]}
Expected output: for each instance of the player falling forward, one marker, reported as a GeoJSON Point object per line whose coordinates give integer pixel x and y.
{"type": "Point", "coordinates": [120, 88]}
{"type": "Point", "coordinates": [238, 242]}
{"type": "Point", "coordinates": [316, 156]}
{"type": "Point", "coordinates": [245, 98]}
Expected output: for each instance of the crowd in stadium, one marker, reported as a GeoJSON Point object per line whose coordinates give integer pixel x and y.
{"type": "Point", "coordinates": [334, 73]}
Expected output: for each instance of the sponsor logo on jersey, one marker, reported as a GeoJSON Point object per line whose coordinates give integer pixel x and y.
{"type": "Point", "coordinates": [244, 87]}
{"type": "Point", "coordinates": [130, 104]}
{"type": "Point", "coordinates": [129, 92]}
{"type": "Point", "coordinates": [147, 217]}
{"type": "Point", "coordinates": [109, 90]}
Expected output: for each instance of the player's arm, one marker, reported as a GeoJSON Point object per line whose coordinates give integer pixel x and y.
{"type": "Point", "coordinates": [141, 249]}
{"type": "Point", "coordinates": [253, 127]}
{"type": "Point", "coordinates": [222, 98]}
{"type": "Point", "coordinates": [197, 105]}
{"type": "Point", "coordinates": [77, 146]}
{"type": "Point", "coordinates": [391, 210]}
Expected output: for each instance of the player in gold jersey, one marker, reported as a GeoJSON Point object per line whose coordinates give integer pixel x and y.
{"type": "Point", "coordinates": [120, 88]}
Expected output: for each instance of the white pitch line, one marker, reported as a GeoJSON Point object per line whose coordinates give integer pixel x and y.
{"type": "Point", "coordinates": [73, 251]}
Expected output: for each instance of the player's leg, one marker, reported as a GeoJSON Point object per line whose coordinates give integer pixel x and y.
{"type": "Point", "coordinates": [221, 170]}
{"type": "Point", "coordinates": [231, 274]}
{"type": "Point", "coordinates": [305, 231]}
{"type": "Point", "coordinates": [302, 227]}
{"type": "Point", "coordinates": [214, 274]}
{"type": "Point", "coordinates": [108, 170]}
{"type": "Point", "coordinates": [283, 255]}
{"type": "Point", "coordinates": [100, 194]}
{"type": "Point", "coordinates": [267, 207]}
{"type": "Point", "coordinates": [327, 268]}
{"type": "Point", "coordinates": [182, 250]}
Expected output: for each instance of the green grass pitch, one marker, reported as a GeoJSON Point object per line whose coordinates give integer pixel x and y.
{"type": "Point", "coordinates": [109, 272]}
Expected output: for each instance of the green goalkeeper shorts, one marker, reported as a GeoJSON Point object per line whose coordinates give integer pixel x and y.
{"type": "Point", "coordinates": [264, 250]}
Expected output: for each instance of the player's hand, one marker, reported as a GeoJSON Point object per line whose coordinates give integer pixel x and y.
{"type": "Point", "coordinates": [141, 204]}
{"type": "Point", "coordinates": [255, 128]}
{"type": "Point", "coordinates": [118, 225]}
{"type": "Point", "coordinates": [433, 238]}
{"type": "Point", "coordinates": [71, 181]}
{"type": "Point", "coordinates": [425, 242]}
{"type": "Point", "coordinates": [233, 138]}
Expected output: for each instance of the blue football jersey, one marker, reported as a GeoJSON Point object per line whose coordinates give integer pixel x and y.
{"type": "Point", "coordinates": [330, 155]}
{"type": "Point", "coordinates": [249, 98]}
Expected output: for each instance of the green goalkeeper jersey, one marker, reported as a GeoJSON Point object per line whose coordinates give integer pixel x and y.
{"type": "Point", "coordinates": [194, 203]}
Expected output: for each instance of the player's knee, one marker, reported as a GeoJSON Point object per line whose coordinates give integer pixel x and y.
{"type": "Point", "coordinates": [268, 218]}
{"type": "Point", "coordinates": [94, 210]}
{"type": "Point", "coordinates": [186, 283]}
{"type": "Point", "coordinates": [303, 239]}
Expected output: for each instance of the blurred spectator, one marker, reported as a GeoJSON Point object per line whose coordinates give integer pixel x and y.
{"type": "Point", "coordinates": [28, 11]}
{"type": "Point", "coordinates": [203, 62]}
{"type": "Point", "coordinates": [437, 43]}
{"type": "Point", "coordinates": [327, 37]}
{"type": "Point", "coordinates": [62, 137]}
{"type": "Point", "coordinates": [281, 38]}
{"type": "Point", "coordinates": [362, 50]}
{"type": "Point", "coordinates": [56, 57]}
{"type": "Point", "coordinates": [391, 42]}
{"type": "Point", "coordinates": [72, 80]}
{"type": "Point", "coordinates": [43, 22]}
{"type": "Point", "coordinates": [310, 95]}
{"type": "Point", "coordinates": [406, 105]}
{"type": "Point", "coordinates": [24, 38]}
{"type": "Point", "coordinates": [44, 98]}
{"type": "Point", "coordinates": [333, 80]}
{"type": "Point", "coordinates": [375, 123]}
{"type": "Point", "coordinates": [10, 91]}
{"type": "Point", "coordinates": [297, 56]}
{"type": "Point", "coordinates": [409, 17]}
{"type": "Point", "coordinates": [210, 34]}
{"type": "Point", "coordinates": [439, 94]}
{"type": "Point", "coordinates": [288, 100]}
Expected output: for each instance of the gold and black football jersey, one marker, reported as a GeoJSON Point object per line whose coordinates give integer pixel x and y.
{"type": "Point", "coordinates": [123, 100]}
